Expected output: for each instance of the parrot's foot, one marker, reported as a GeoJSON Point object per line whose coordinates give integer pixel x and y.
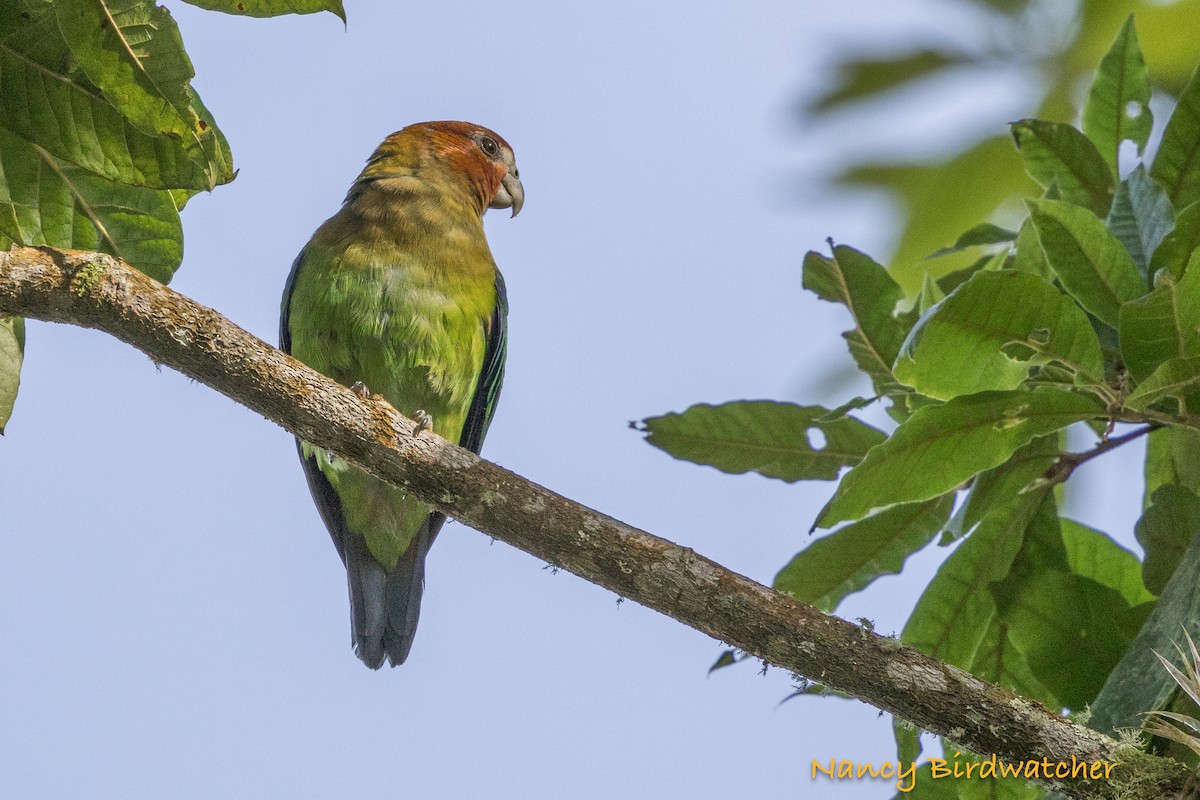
{"type": "Point", "coordinates": [424, 422]}
{"type": "Point", "coordinates": [360, 389]}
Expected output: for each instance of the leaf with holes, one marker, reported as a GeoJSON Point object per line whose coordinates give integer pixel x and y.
{"type": "Point", "coordinates": [847, 560]}
{"type": "Point", "coordinates": [271, 8]}
{"type": "Point", "coordinates": [939, 447]}
{"type": "Point", "coordinates": [777, 440]}
{"type": "Point", "coordinates": [1091, 264]}
{"type": "Point", "coordinates": [1118, 104]}
{"type": "Point", "coordinates": [966, 344]}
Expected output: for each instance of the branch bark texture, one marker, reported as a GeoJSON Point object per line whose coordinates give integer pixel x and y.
{"type": "Point", "coordinates": [97, 291]}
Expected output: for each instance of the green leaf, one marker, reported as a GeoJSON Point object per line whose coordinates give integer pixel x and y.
{"type": "Point", "coordinates": [1004, 484]}
{"type": "Point", "coordinates": [1177, 248]}
{"type": "Point", "coordinates": [847, 560]}
{"type": "Point", "coordinates": [1164, 531]}
{"type": "Point", "coordinates": [132, 52]}
{"type": "Point", "coordinates": [48, 102]}
{"type": "Point", "coordinates": [983, 234]}
{"type": "Point", "coordinates": [727, 659]}
{"type": "Point", "coordinates": [870, 295]}
{"type": "Point", "coordinates": [1177, 377]}
{"type": "Point", "coordinates": [931, 294]}
{"type": "Point", "coordinates": [1091, 264]}
{"type": "Point", "coordinates": [1139, 683]}
{"type": "Point", "coordinates": [1073, 631]}
{"type": "Point", "coordinates": [1029, 256]}
{"type": "Point", "coordinates": [939, 447]}
{"type": "Point", "coordinates": [1162, 325]}
{"type": "Point", "coordinates": [1056, 154]}
{"type": "Point", "coordinates": [12, 352]}
{"type": "Point", "coordinates": [271, 8]}
{"type": "Point", "coordinates": [1094, 555]}
{"type": "Point", "coordinates": [46, 201]}
{"type": "Point", "coordinates": [1172, 456]}
{"type": "Point", "coordinates": [772, 439]}
{"type": "Point", "coordinates": [1177, 163]}
{"type": "Point", "coordinates": [1141, 217]}
{"type": "Point", "coordinates": [965, 344]}
{"type": "Point", "coordinates": [1118, 104]}
{"type": "Point", "coordinates": [908, 740]}
{"type": "Point", "coordinates": [955, 611]}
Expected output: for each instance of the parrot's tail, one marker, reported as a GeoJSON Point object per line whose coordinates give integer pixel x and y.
{"type": "Point", "coordinates": [385, 608]}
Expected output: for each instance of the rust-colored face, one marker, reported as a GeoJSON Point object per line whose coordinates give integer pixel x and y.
{"type": "Point", "coordinates": [468, 149]}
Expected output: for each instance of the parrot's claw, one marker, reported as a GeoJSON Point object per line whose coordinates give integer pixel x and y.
{"type": "Point", "coordinates": [424, 422]}
{"type": "Point", "coordinates": [360, 389]}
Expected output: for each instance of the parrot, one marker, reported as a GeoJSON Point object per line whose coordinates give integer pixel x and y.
{"type": "Point", "coordinates": [398, 295]}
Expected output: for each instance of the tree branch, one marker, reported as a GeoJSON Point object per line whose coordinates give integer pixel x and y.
{"type": "Point", "coordinates": [97, 291]}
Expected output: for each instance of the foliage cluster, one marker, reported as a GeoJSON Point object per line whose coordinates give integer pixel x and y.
{"type": "Point", "coordinates": [1088, 314]}
{"type": "Point", "coordinates": [102, 138]}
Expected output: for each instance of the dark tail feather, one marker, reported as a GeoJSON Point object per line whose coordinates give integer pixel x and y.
{"type": "Point", "coordinates": [385, 608]}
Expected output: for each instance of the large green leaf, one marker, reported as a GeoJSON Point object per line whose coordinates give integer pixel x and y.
{"type": "Point", "coordinates": [1094, 555]}
{"type": "Point", "coordinates": [1177, 248]}
{"type": "Point", "coordinates": [1172, 456]}
{"type": "Point", "coordinates": [132, 52]}
{"type": "Point", "coordinates": [1178, 377]}
{"type": "Point", "coordinates": [941, 446]}
{"type": "Point", "coordinates": [1162, 325]}
{"type": "Point", "coordinates": [1089, 261]}
{"type": "Point", "coordinates": [46, 100]}
{"type": "Point", "coordinates": [1057, 155]}
{"type": "Point", "coordinates": [1164, 532]}
{"type": "Point", "coordinates": [1000, 486]}
{"type": "Point", "coordinates": [1139, 683]}
{"type": "Point", "coordinates": [12, 352]}
{"type": "Point", "coordinates": [957, 610]}
{"type": "Point", "coordinates": [847, 560]}
{"type": "Point", "coordinates": [1177, 163]}
{"type": "Point", "coordinates": [1058, 613]}
{"type": "Point", "coordinates": [864, 287]}
{"type": "Point", "coordinates": [271, 8]}
{"type": "Point", "coordinates": [46, 201]}
{"type": "Point", "coordinates": [1118, 104]}
{"type": "Point", "coordinates": [772, 439]}
{"type": "Point", "coordinates": [1141, 217]}
{"type": "Point", "coordinates": [965, 344]}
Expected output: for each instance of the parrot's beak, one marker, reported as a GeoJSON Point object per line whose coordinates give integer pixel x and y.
{"type": "Point", "coordinates": [511, 193]}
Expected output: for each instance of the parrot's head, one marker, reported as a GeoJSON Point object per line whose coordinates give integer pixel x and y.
{"type": "Point", "coordinates": [455, 156]}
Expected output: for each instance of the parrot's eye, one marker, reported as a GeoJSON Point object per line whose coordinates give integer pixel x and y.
{"type": "Point", "coordinates": [488, 145]}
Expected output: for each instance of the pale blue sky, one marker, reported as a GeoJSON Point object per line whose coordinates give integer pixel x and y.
{"type": "Point", "coordinates": [174, 616]}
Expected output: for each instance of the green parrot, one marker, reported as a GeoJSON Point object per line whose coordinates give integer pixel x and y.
{"type": "Point", "coordinates": [398, 292]}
